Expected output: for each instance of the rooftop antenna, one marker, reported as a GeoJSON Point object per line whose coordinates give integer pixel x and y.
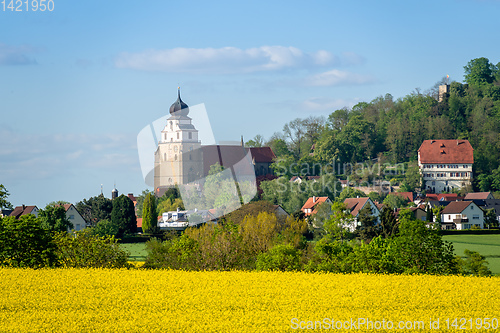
{"type": "Point", "coordinates": [101, 188]}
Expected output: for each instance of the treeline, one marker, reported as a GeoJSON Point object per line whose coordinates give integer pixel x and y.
{"type": "Point", "coordinates": [393, 130]}
{"type": "Point", "coordinates": [263, 242]}
{"type": "Point", "coordinates": [29, 243]}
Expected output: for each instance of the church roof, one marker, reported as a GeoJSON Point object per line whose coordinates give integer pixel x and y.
{"type": "Point", "coordinates": [179, 107]}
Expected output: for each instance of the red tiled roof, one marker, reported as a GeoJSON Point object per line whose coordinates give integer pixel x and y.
{"type": "Point", "coordinates": [477, 196]}
{"type": "Point", "coordinates": [22, 210]}
{"type": "Point", "coordinates": [407, 195]}
{"type": "Point", "coordinates": [446, 151]}
{"type": "Point", "coordinates": [262, 154]}
{"type": "Point", "coordinates": [445, 196]}
{"type": "Point", "coordinates": [310, 204]}
{"type": "Point", "coordinates": [355, 204]}
{"type": "Point", "coordinates": [456, 207]}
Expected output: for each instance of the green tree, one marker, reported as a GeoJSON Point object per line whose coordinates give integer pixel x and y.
{"type": "Point", "coordinates": [350, 192]}
{"type": "Point", "coordinates": [368, 228]}
{"type": "Point", "coordinates": [105, 228]}
{"type": "Point", "coordinates": [388, 222]}
{"type": "Point", "coordinates": [395, 201]}
{"type": "Point", "coordinates": [25, 243]}
{"type": "Point", "coordinates": [490, 218]}
{"type": "Point", "coordinates": [479, 71]}
{"type": "Point", "coordinates": [84, 249]}
{"type": "Point", "coordinates": [123, 215]}
{"type": "Point", "coordinates": [54, 218]}
{"type": "Point", "coordinates": [340, 222]}
{"type": "Point", "coordinates": [257, 141]}
{"type": "Point", "coordinates": [149, 214]}
{"type": "Point", "coordinates": [474, 264]}
{"type": "Point", "coordinates": [95, 209]}
{"type": "Point", "coordinates": [4, 194]}
{"type": "Point", "coordinates": [282, 257]}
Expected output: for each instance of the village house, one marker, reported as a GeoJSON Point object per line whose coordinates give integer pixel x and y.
{"type": "Point", "coordinates": [462, 215]}
{"type": "Point", "coordinates": [312, 204]}
{"type": "Point", "coordinates": [24, 210]}
{"type": "Point", "coordinates": [75, 217]}
{"type": "Point", "coordinates": [445, 165]}
{"type": "Point", "coordinates": [355, 205]}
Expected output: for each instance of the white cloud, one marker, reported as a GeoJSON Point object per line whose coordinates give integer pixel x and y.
{"type": "Point", "coordinates": [47, 156]}
{"type": "Point", "coordinates": [224, 60]}
{"type": "Point", "coordinates": [337, 77]}
{"type": "Point", "coordinates": [15, 55]}
{"type": "Point", "coordinates": [327, 104]}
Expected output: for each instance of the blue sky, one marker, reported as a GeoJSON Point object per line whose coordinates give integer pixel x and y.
{"type": "Point", "coordinates": [78, 84]}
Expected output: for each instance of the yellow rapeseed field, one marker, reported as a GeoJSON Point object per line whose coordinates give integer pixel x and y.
{"type": "Point", "coordinates": [93, 300]}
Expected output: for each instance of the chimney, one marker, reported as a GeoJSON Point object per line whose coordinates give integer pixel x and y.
{"type": "Point", "coordinates": [178, 209]}
{"type": "Point", "coordinates": [314, 199]}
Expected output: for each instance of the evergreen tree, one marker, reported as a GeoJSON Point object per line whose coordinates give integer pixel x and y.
{"type": "Point", "coordinates": [123, 215]}
{"type": "Point", "coordinates": [149, 216]}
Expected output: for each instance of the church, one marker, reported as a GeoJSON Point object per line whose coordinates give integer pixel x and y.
{"type": "Point", "coordinates": [181, 159]}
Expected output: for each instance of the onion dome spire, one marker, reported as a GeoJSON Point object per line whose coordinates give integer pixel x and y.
{"type": "Point", "coordinates": [179, 108]}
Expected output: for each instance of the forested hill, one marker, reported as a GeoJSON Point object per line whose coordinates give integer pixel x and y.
{"type": "Point", "coordinates": [395, 129]}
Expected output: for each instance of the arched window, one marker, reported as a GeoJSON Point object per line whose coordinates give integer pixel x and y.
{"type": "Point", "coordinates": [175, 157]}
{"type": "Point", "coordinates": [190, 135]}
{"type": "Point", "coordinates": [177, 135]}
{"type": "Point", "coordinates": [171, 126]}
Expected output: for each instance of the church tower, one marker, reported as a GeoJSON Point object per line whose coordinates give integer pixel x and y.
{"type": "Point", "coordinates": [178, 158]}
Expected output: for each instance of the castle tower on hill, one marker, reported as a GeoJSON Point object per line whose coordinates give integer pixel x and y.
{"type": "Point", "coordinates": [178, 158]}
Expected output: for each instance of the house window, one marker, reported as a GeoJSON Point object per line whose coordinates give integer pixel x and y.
{"type": "Point", "coordinates": [475, 217]}
{"type": "Point", "coordinates": [77, 227]}
{"type": "Point", "coordinates": [71, 217]}
{"type": "Point", "coordinates": [433, 183]}
{"type": "Point", "coordinates": [472, 207]}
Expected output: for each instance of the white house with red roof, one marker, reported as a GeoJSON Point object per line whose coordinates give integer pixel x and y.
{"type": "Point", "coordinates": [445, 164]}
{"type": "Point", "coordinates": [75, 217]}
{"type": "Point", "coordinates": [354, 205]}
{"type": "Point", "coordinates": [312, 204]}
{"type": "Point", "coordinates": [24, 210]}
{"type": "Point", "coordinates": [462, 215]}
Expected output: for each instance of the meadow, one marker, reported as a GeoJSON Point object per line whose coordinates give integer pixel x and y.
{"type": "Point", "coordinates": [107, 300]}
{"type": "Point", "coordinates": [486, 245]}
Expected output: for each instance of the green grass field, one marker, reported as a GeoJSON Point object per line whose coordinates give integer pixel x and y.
{"type": "Point", "coordinates": [487, 245]}
{"type": "Point", "coordinates": [137, 251]}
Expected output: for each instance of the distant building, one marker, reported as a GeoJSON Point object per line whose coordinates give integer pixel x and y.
{"type": "Point", "coordinates": [24, 210]}
{"type": "Point", "coordinates": [312, 204]}
{"type": "Point", "coordinates": [181, 159]}
{"type": "Point", "coordinates": [462, 215]}
{"type": "Point", "coordinates": [444, 89]}
{"type": "Point", "coordinates": [479, 196]}
{"type": "Point", "coordinates": [355, 205]}
{"type": "Point", "coordinates": [445, 165]}
{"type": "Point", "coordinates": [74, 217]}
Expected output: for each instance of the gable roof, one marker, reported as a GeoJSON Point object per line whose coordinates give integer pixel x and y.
{"type": "Point", "coordinates": [443, 196]}
{"type": "Point", "coordinates": [478, 196]}
{"type": "Point", "coordinates": [406, 195]}
{"type": "Point", "coordinates": [23, 210]}
{"type": "Point", "coordinates": [313, 202]}
{"type": "Point", "coordinates": [262, 154]}
{"type": "Point", "coordinates": [456, 207]}
{"type": "Point", "coordinates": [446, 151]}
{"type": "Point", "coordinates": [355, 204]}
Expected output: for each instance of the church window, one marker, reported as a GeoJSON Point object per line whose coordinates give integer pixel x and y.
{"type": "Point", "coordinates": [165, 156]}
{"type": "Point", "coordinates": [171, 139]}
{"type": "Point", "coordinates": [190, 157]}
{"type": "Point", "coordinates": [190, 135]}
{"type": "Point", "coordinates": [176, 157]}
{"type": "Point", "coordinates": [171, 127]}
{"type": "Point", "coordinates": [177, 135]}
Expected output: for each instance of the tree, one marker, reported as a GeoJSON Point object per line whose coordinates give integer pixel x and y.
{"type": "Point", "coordinates": [123, 215]}
{"type": "Point", "coordinates": [339, 222]}
{"type": "Point", "coordinates": [429, 217]}
{"type": "Point", "coordinates": [257, 141]}
{"type": "Point", "coordinates": [295, 131]}
{"type": "Point", "coordinates": [350, 192]}
{"type": "Point", "coordinates": [395, 201]}
{"type": "Point", "coordinates": [367, 228]}
{"type": "Point", "coordinates": [84, 249]}
{"type": "Point", "coordinates": [4, 203]}
{"type": "Point", "coordinates": [140, 200]}
{"type": "Point", "coordinates": [490, 218]}
{"type": "Point", "coordinates": [95, 209]}
{"type": "Point", "coordinates": [54, 218]}
{"type": "Point", "coordinates": [479, 71]}
{"type": "Point", "coordinates": [282, 257]}
{"type": "Point", "coordinates": [474, 264]}
{"type": "Point", "coordinates": [149, 214]}
{"type": "Point", "coordinates": [388, 222]}
{"type": "Point", "coordinates": [105, 228]}
{"type": "Point", "coordinates": [25, 243]}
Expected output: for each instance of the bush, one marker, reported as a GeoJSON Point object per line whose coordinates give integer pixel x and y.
{"type": "Point", "coordinates": [25, 243]}
{"type": "Point", "coordinates": [474, 264]}
{"type": "Point", "coordinates": [283, 257]}
{"type": "Point", "coordinates": [84, 249]}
